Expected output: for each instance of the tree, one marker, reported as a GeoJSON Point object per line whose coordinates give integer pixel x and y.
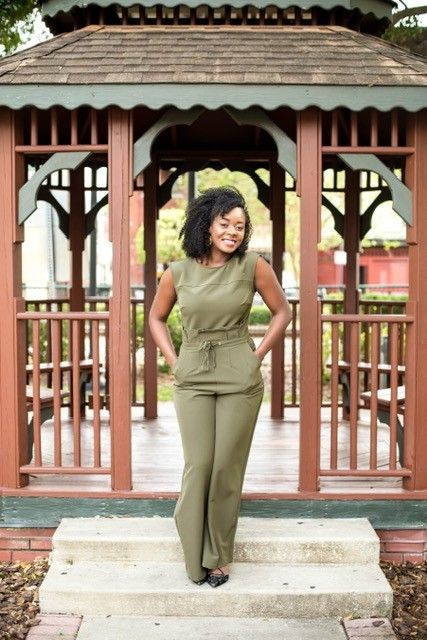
{"type": "Point", "coordinates": [16, 23]}
{"type": "Point", "coordinates": [406, 31]}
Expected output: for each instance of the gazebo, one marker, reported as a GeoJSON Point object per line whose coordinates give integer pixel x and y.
{"type": "Point", "coordinates": [168, 88]}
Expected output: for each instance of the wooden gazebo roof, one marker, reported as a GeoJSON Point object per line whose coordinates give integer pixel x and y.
{"type": "Point", "coordinates": [295, 66]}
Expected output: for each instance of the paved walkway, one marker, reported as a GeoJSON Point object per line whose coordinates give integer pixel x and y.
{"type": "Point", "coordinates": [66, 627]}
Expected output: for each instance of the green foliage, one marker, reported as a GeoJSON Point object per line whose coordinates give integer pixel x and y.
{"type": "Point", "coordinates": [260, 315]}
{"type": "Point", "coordinates": [168, 228]}
{"type": "Point", "coordinates": [174, 326]}
{"type": "Point", "coordinates": [407, 34]}
{"type": "Point", "coordinates": [375, 295]}
{"type": "Point", "coordinates": [211, 178]}
{"type": "Point", "coordinates": [168, 244]}
{"type": "Point", "coordinates": [16, 23]}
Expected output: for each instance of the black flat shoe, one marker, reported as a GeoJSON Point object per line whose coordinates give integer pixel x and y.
{"type": "Point", "coordinates": [215, 580]}
{"type": "Point", "coordinates": [202, 581]}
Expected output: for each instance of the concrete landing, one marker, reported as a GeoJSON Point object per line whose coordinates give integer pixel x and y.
{"type": "Point", "coordinates": [254, 590]}
{"type": "Point", "coordinates": [157, 628]}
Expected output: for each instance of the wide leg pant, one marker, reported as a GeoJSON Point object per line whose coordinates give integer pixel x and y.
{"type": "Point", "coordinates": [218, 391]}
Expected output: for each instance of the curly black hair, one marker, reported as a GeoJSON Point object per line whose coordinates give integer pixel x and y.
{"type": "Point", "coordinates": [201, 212]}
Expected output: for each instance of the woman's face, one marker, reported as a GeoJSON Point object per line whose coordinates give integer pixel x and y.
{"type": "Point", "coordinates": [228, 230]}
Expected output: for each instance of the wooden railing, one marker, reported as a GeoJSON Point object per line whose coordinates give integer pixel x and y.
{"type": "Point", "coordinates": [56, 384]}
{"type": "Point", "coordinates": [101, 304]}
{"type": "Point", "coordinates": [95, 304]}
{"type": "Point", "coordinates": [356, 365]}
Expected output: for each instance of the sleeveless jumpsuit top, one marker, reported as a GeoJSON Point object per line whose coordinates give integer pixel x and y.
{"type": "Point", "coordinates": [217, 353]}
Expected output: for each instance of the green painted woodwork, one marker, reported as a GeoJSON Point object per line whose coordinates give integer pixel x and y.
{"type": "Point", "coordinates": [28, 192]}
{"type": "Point", "coordinates": [47, 512]}
{"type": "Point", "coordinates": [286, 148]}
{"type": "Point", "coordinates": [214, 96]}
{"type": "Point", "coordinates": [380, 8]}
{"type": "Point", "coordinates": [164, 192]}
{"type": "Point", "coordinates": [401, 195]}
{"type": "Point", "coordinates": [142, 147]}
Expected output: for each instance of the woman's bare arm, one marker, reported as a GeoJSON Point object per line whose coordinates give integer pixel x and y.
{"type": "Point", "coordinates": [162, 305]}
{"type": "Point", "coordinates": [272, 293]}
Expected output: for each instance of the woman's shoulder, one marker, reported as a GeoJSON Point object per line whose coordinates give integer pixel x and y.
{"type": "Point", "coordinates": [178, 268]}
{"type": "Point", "coordinates": [247, 264]}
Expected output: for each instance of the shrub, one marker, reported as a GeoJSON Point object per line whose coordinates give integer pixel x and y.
{"type": "Point", "coordinates": [260, 315]}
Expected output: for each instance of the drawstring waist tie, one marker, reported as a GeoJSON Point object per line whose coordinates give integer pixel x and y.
{"type": "Point", "coordinates": [206, 340]}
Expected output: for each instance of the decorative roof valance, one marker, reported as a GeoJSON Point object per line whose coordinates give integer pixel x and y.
{"type": "Point", "coordinates": [270, 67]}
{"type": "Point", "coordinates": [380, 8]}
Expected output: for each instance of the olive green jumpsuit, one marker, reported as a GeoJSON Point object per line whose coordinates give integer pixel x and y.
{"type": "Point", "coordinates": [218, 390]}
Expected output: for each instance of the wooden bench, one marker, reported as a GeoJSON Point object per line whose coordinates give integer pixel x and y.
{"type": "Point", "coordinates": [85, 368]}
{"type": "Point", "coordinates": [46, 411]}
{"type": "Point", "coordinates": [383, 408]}
{"type": "Point", "coordinates": [364, 367]}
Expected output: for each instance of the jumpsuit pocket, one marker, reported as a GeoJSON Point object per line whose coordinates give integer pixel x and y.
{"type": "Point", "coordinates": [178, 364]}
{"type": "Point", "coordinates": [243, 358]}
{"type": "Point", "coordinates": [252, 348]}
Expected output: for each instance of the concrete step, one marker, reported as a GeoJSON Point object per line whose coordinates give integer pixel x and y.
{"type": "Point", "coordinates": [170, 628]}
{"type": "Point", "coordinates": [254, 590]}
{"type": "Point", "coordinates": [291, 541]}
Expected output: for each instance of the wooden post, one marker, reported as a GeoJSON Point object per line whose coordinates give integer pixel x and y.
{"type": "Point", "coordinates": [351, 241]}
{"type": "Point", "coordinates": [13, 416]}
{"type": "Point", "coordinates": [150, 281]}
{"type": "Point", "coordinates": [277, 191]}
{"type": "Point", "coordinates": [416, 171]}
{"type": "Point", "coordinates": [77, 238]}
{"type": "Point", "coordinates": [351, 247]}
{"type": "Point", "coordinates": [309, 189]}
{"type": "Point", "coordinates": [120, 189]}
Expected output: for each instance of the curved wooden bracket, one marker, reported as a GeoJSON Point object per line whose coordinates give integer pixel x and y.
{"type": "Point", "coordinates": [142, 147]}
{"type": "Point", "coordinates": [286, 148]}
{"type": "Point", "coordinates": [366, 217]}
{"type": "Point", "coordinates": [46, 195]}
{"type": "Point", "coordinates": [165, 189]}
{"type": "Point", "coordinates": [28, 192]}
{"type": "Point", "coordinates": [401, 195]}
{"type": "Point", "coordinates": [336, 214]}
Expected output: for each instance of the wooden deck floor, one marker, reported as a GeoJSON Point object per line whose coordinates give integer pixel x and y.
{"type": "Point", "coordinates": [157, 459]}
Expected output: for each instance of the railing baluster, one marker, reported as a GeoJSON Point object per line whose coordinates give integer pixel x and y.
{"type": "Point", "coordinates": [334, 396]}
{"type": "Point", "coordinates": [375, 352]}
{"type": "Point", "coordinates": [75, 390]}
{"type": "Point", "coordinates": [36, 395]}
{"type": "Point", "coordinates": [354, 391]}
{"type": "Point", "coordinates": [56, 383]}
{"type": "Point", "coordinates": [96, 396]}
{"type": "Point", "coordinates": [393, 393]}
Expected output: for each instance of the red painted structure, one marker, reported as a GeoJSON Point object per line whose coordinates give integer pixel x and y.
{"type": "Point", "coordinates": [377, 266]}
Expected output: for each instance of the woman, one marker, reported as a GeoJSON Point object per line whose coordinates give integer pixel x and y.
{"type": "Point", "coordinates": [218, 386]}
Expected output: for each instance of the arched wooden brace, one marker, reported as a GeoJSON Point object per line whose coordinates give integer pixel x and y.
{"type": "Point", "coordinates": [165, 189]}
{"type": "Point", "coordinates": [63, 217]}
{"type": "Point", "coordinates": [401, 195]}
{"type": "Point", "coordinates": [286, 148]}
{"type": "Point", "coordinates": [28, 192]}
{"type": "Point", "coordinates": [365, 218]}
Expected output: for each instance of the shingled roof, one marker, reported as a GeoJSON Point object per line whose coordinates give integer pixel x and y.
{"type": "Point", "coordinates": [127, 66]}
